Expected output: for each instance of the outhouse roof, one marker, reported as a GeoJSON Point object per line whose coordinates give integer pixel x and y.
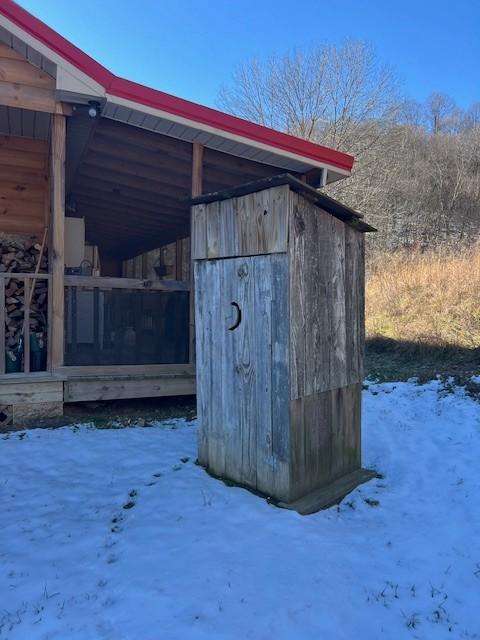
{"type": "Point", "coordinates": [330, 205]}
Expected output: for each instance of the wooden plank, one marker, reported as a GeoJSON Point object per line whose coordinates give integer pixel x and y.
{"type": "Point", "coordinates": [280, 374]}
{"type": "Point", "coordinates": [57, 241]}
{"type": "Point", "coordinates": [199, 232]}
{"type": "Point", "coordinates": [2, 326]}
{"type": "Point", "coordinates": [197, 169]}
{"type": "Point", "coordinates": [26, 97]}
{"type": "Point", "coordinates": [354, 303]}
{"type": "Point", "coordinates": [104, 282]}
{"type": "Point", "coordinates": [24, 276]}
{"type": "Point", "coordinates": [179, 260]}
{"type": "Point", "coordinates": [336, 304]}
{"type": "Point", "coordinates": [88, 389]}
{"type": "Point", "coordinates": [129, 370]}
{"type": "Point", "coordinates": [23, 177]}
{"type": "Point", "coordinates": [217, 319]}
{"type": "Point", "coordinates": [30, 390]}
{"type": "Point", "coordinates": [8, 52]}
{"type": "Point", "coordinates": [244, 359]}
{"type": "Point", "coordinates": [255, 224]}
{"type": "Point", "coordinates": [197, 187]}
{"type": "Point", "coordinates": [262, 221]}
{"type": "Point", "coordinates": [22, 72]}
{"type": "Point", "coordinates": [325, 437]}
{"type": "Point", "coordinates": [26, 145]}
{"type": "Point", "coordinates": [204, 361]}
{"type": "Point", "coordinates": [317, 304]}
{"type": "Point", "coordinates": [26, 324]}
{"type": "Point", "coordinates": [261, 419]}
{"type": "Point", "coordinates": [227, 411]}
{"type": "Point", "coordinates": [332, 494]}
{"type": "Point", "coordinates": [23, 185]}
{"type": "Point", "coordinates": [26, 191]}
{"type": "Point", "coordinates": [297, 298]}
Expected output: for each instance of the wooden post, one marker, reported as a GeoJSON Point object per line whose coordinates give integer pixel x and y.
{"type": "Point", "coordinates": [27, 288]}
{"type": "Point", "coordinates": [197, 189]}
{"type": "Point", "coordinates": [57, 240]}
{"type": "Point", "coordinates": [179, 260]}
{"type": "Point", "coordinates": [2, 326]}
{"type": "Point", "coordinates": [197, 169]}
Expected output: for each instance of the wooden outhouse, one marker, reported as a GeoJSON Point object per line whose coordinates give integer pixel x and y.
{"type": "Point", "coordinates": [279, 285]}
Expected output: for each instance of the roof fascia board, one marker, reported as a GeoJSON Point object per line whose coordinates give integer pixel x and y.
{"type": "Point", "coordinates": [132, 104]}
{"type": "Point", "coordinates": [81, 73]}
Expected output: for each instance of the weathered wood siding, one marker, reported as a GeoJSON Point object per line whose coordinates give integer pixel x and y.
{"type": "Point", "coordinates": [279, 398]}
{"type": "Point", "coordinates": [326, 310]}
{"type": "Point", "coordinates": [24, 86]}
{"type": "Point", "coordinates": [242, 386]}
{"type": "Point", "coordinates": [325, 437]}
{"type": "Point", "coordinates": [254, 224]}
{"type": "Point", "coordinates": [24, 185]}
{"type": "Point", "coordinates": [326, 301]}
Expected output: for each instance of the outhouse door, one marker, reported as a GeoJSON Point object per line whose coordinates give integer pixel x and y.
{"type": "Point", "coordinates": [242, 339]}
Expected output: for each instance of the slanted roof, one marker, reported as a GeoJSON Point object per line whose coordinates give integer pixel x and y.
{"type": "Point", "coordinates": [80, 78]}
{"type": "Point", "coordinates": [337, 209]}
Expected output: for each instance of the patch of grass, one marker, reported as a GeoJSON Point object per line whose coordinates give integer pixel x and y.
{"type": "Point", "coordinates": [428, 298]}
{"type": "Point", "coordinates": [390, 360]}
{"type": "Point", "coordinates": [423, 316]}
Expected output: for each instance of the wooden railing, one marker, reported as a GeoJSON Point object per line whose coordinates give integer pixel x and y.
{"type": "Point", "coordinates": [125, 321]}
{"type": "Point", "coordinates": [21, 348]}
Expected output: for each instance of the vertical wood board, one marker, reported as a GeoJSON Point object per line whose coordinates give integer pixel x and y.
{"type": "Point", "coordinates": [254, 224]}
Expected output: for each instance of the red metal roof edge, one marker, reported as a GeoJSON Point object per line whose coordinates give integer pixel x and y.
{"type": "Point", "coordinates": [147, 96]}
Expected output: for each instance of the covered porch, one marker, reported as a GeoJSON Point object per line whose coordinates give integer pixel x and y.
{"type": "Point", "coordinates": [95, 265]}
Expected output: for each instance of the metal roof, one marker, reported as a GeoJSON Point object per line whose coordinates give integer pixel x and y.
{"type": "Point", "coordinates": [80, 76]}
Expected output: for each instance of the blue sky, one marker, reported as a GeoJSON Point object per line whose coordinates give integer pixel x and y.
{"type": "Point", "coordinates": [189, 47]}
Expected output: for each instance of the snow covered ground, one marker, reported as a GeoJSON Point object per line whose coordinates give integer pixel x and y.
{"type": "Point", "coordinates": [192, 558]}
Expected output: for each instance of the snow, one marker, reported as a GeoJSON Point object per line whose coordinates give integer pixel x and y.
{"type": "Point", "coordinates": [193, 558]}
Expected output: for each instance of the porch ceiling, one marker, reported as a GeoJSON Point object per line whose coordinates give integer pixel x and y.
{"type": "Point", "coordinates": [130, 184]}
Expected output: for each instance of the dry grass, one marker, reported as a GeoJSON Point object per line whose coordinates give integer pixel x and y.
{"type": "Point", "coordinates": [429, 299]}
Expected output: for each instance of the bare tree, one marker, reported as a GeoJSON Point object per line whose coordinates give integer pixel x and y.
{"type": "Point", "coordinates": [327, 94]}
{"type": "Point", "coordinates": [442, 113]}
{"type": "Point", "coordinates": [417, 169]}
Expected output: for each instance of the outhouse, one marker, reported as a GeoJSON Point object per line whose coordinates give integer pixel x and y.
{"type": "Point", "coordinates": [279, 299]}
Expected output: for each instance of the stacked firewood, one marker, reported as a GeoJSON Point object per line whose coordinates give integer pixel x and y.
{"type": "Point", "coordinates": [22, 256]}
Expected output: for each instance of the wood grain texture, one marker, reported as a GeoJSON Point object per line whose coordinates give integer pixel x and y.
{"type": "Point", "coordinates": [114, 388]}
{"type": "Point", "coordinates": [57, 240]}
{"type": "Point", "coordinates": [103, 282]}
{"type": "Point", "coordinates": [2, 326]}
{"type": "Point", "coordinates": [30, 390]}
{"type": "Point", "coordinates": [325, 434]}
{"type": "Point", "coordinates": [326, 300]}
{"type": "Point", "coordinates": [242, 386]}
{"type": "Point", "coordinates": [24, 185]}
{"type": "Point", "coordinates": [254, 224]}
{"type": "Point", "coordinates": [280, 396]}
{"type": "Point", "coordinates": [355, 303]}
{"type": "Point", "coordinates": [199, 232]}
{"type": "Point", "coordinates": [197, 189]}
